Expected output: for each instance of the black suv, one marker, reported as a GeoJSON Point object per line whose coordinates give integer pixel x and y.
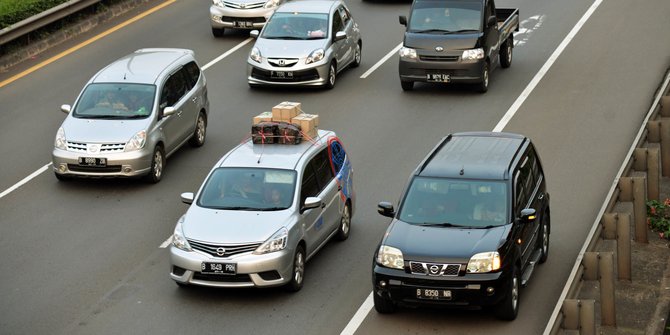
{"type": "Point", "coordinates": [471, 225]}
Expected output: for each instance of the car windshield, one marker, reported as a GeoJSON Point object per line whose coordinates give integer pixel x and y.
{"type": "Point", "coordinates": [296, 26]}
{"type": "Point", "coordinates": [115, 101]}
{"type": "Point", "coordinates": [455, 202]}
{"type": "Point", "coordinates": [249, 189]}
{"type": "Point", "coordinates": [440, 17]}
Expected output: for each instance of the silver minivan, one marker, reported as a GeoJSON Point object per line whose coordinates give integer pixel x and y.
{"type": "Point", "coordinates": [262, 212]}
{"type": "Point", "coordinates": [132, 115]}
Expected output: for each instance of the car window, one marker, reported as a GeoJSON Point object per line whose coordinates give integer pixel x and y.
{"type": "Point", "coordinates": [323, 170]}
{"type": "Point", "coordinates": [337, 22]}
{"type": "Point", "coordinates": [192, 73]}
{"type": "Point", "coordinates": [175, 87]}
{"type": "Point", "coordinates": [439, 15]}
{"type": "Point", "coordinates": [248, 189]}
{"type": "Point", "coordinates": [525, 181]}
{"type": "Point", "coordinates": [309, 187]}
{"type": "Point", "coordinates": [467, 203]}
{"type": "Point", "coordinates": [296, 26]}
{"type": "Point", "coordinates": [346, 16]}
{"type": "Point", "coordinates": [115, 101]}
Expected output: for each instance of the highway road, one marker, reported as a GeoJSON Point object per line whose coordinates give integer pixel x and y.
{"type": "Point", "coordinates": [84, 257]}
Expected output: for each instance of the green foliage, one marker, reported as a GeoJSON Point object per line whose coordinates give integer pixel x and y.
{"type": "Point", "coordinates": [13, 11]}
{"type": "Point", "coordinates": [658, 217]}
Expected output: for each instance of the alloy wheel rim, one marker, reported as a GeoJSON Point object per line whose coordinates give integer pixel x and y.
{"type": "Point", "coordinates": [345, 221]}
{"type": "Point", "coordinates": [331, 75]}
{"type": "Point", "coordinates": [158, 164]}
{"type": "Point", "coordinates": [545, 239]}
{"type": "Point", "coordinates": [358, 54]}
{"type": "Point", "coordinates": [486, 77]}
{"type": "Point", "coordinates": [515, 292]}
{"type": "Point", "coordinates": [299, 268]}
{"type": "Point", "coordinates": [509, 53]}
{"type": "Point", "coordinates": [201, 130]}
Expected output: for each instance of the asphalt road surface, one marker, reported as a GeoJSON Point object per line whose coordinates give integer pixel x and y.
{"type": "Point", "coordinates": [84, 257]}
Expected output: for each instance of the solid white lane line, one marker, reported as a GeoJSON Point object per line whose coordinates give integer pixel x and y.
{"type": "Point", "coordinates": [166, 243]}
{"type": "Point", "coordinates": [227, 53]}
{"type": "Point", "coordinates": [360, 315]}
{"type": "Point", "coordinates": [382, 61]}
{"type": "Point", "coordinates": [24, 180]}
{"type": "Point", "coordinates": [357, 320]}
{"type": "Point", "coordinates": [547, 65]}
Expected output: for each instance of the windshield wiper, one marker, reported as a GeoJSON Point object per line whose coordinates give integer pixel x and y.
{"type": "Point", "coordinates": [439, 224]}
{"type": "Point", "coordinates": [464, 31]}
{"type": "Point", "coordinates": [237, 208]}
{"type": "Point", "coordinates": [433, 31]}
{"type": "Point", "coordinates": [283, 38]}
{"type": "Point", "coordinates": [271, 209]}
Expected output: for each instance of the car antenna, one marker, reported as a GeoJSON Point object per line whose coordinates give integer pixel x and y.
{"type": "Point", "coordinates": [124, 76]}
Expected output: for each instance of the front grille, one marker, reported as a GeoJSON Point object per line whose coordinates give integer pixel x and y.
{"type": "Point", "coordinates": [239, 278]}
{"type": "Point", "coordinates": [434, 269]}
{"type": "Point", "coordinates": [283, 62]}
{"type": "Point", "coordinates": [245, 19]}
{"type": "Point", "coordinates": [94, 169]}
{"type": "Point", "coordinates": [298, 76]}
{"type": "Point", "coordinates": [104, 147]}
{"type": "Point", "coordinates": [230, 249]}
{"type": "Point", "coordinates": [236, 5]}
{"type": "Point", "coordinates": [439, 58]}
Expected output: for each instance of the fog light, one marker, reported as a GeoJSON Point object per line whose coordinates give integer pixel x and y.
{"type": "Point", "coordinates": [382, 284]}
{"type": "Point", "coordinates": [216, 18]}
{"type": "Point", "coordinates": [62, 167]}
{"type": "Point", "coordinates": [490, 290]}
{"type": "Point", "coordinates": [127, 169]}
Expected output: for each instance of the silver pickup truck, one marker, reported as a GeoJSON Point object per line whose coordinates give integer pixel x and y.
{"type": "Point", "coordinates": [456, 41]}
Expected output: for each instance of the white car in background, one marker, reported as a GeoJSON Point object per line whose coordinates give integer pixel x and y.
{"type": "Point", "coordinates": [240, 14]}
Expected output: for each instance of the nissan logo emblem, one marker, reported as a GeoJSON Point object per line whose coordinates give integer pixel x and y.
{"type": "Point", "coordinates": [220, 251]}
{"type": "Point", "coordinates": [93, 148]}
{"type": "Point", "coordinates": [281, 62]}
{"type": "Point", "coordinates": [439, 49]}
{"type": "Point", "coordinates": [434, 269]}
{"type": "Point", "coordinates": [243, 5]}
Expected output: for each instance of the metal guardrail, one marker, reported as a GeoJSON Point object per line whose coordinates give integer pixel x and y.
{"type": "Point", "coordinates": [40, 20]}
{"type": "Point", "coordinates": [649, 132]}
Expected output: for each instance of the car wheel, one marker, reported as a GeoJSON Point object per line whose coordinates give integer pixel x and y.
{"type": "Point", "coordinates": [407, 85]}
{"type": "Point", "coordinates": [345, 224]}
{"type": "Point", "coordinates": [509, 307]}
{"type": "Point", "coordinates": [157, 165]}
{"type": "Point", "coordinates": [506, 53]}
{"type": "Point", "coordinates": [543, 242]}
{"type": "Point", "coordinates": [382, 304]}
{"type": "Point", "coordinates": [298, 273]}
{"type": "Point", "coordinates": [198, 138]}
{"type": "Point", "coordinates": [217, 32]}
{"type": "Point", "coordinates": [61, 177]}
{"type": "Point", "coordinates": [483, 86]}
{"type": "Point", "coordinates": [332, 73]}
{"type": "Point", "coordinates": [357, 55]}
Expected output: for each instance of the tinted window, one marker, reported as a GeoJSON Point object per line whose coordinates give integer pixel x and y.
{"type": "Point", "coordinates": [192, 72]}
{"type": "Point", "coordinates": [337, 22]}
{"type": "Point", "coordinates": [309, 185]}
{"type": "Point", "coordinates": [175, 87]}
{"type": "Point", "coordinates": [324, 173]}
{"type": "Point", "coordinates": [115, 101]}
{"type": "Point", "coordinates": [346, 16]}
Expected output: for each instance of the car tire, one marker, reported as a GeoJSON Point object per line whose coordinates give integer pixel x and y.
{"type": "Point", "coordinates": [345, 224]}
{"type": "Point", "coordinates": [506, 53]}
{"type": "Point", "coordinates": [200, 132]}
{"type": "Point", "coordinates": [509, 307]}
{"type": "Point", "coordinates": [543, 241]}
{"type": "Point", "coordinates": [61, 177]}
{"type": "Point", "coordinates": [483, 86]}
{"type": "Point", "coordinates": [407, 85]}
{"type": "Point", "coordinates": [298, 270]}
{"type": "Point", "coordinates": [382, 304]}
{"type": "Point", "coordinates": [332, 76]}
{"type": "Point", "coordinates": [157, 165]}
{"type": "Point", "coordinates": [357, 55]}
{"type": "Point", "coordinates": [218, 32]}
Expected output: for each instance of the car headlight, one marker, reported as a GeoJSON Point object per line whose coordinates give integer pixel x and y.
{"type": "Point", "coordinates": [137, 141]}
{"type": "Point", "coordinates": [390, 257]}
{"type": "Point", "coordinates": [178, 238]}
{"type": "Point", "coordinates": [275, 243]}
{"type": "Point", "coordinates": [473, 54]}
{"type": "Point", "coordinates": [484, 262]}
{"type": "Point", "coordinates": [407, 53]}
{"type": "Point", "coordinates": [315, 56]}
{"type": "Point", "coordinates": [60, 142]}
{"type": "Point", "coordinates": [255, 55]}
{"type": "Point", "coordinates": [271, 4]}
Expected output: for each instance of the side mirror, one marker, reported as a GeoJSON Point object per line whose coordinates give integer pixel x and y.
{"type": "Point", "coordinates": [386, 209]}
{"type": "Point", "coordinates": [187, 197]}
{"type": "Point", "coordinates": [340, 35]}
{"type": "Point", "coordinates": [528, 215]}
{"type": "Point", "coordinates": [65, 109]}
{"type": "Point", "coordinates": [403, 20]}
{"type": "Point", "coordinates": [491, 21]}
{"type": "Point", "coordinates": [311, 202]}
{"type": "Point", "coordinates": [254, 33]}
{"type": "Point", "coordinates": [167, 111]}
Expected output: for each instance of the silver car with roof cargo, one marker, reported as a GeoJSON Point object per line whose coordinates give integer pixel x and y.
{"type": "Point", "coordinates": [305, 43]}
{"type": "Point", "coordinates": [240, 14]}
{"type": "Point", "coordinates": [132, 115]}
{"type": "Point", "coordinates": [262, 212]}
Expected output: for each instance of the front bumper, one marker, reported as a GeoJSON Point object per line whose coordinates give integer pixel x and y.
{"type": "Point", "coordinates": [458, 71]}
{"type": "Point", "coordinates": [272, 269]}
{"type": "Point", "coordinates": [239, 18]}
{"type": "Point", "coordinates": [119, 164]}
{"type": "Point", "coordinates": [470, 290]}
{"type": "Point", "coordinates": [301, 75]}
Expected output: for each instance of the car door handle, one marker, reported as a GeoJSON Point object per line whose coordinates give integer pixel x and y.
{"type": "Point", "coordinates": [195, 99]}
{"type": "Point", "coordinates": [323, 205]}
{"type": "Point", "coordinates": [339, 187]}
{"type": "Point", "coordinates": [179, 113]}
{"type": "Point", "coordinates": [541, 196]}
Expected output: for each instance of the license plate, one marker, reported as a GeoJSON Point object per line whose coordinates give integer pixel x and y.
{"type": "Point", "coordinates": [422, 293]}
{"type": "Point", "coordinates": [92, 161]}
{"type": "Point", "coordinates": [242, 24]}
{"type": "Point", "coordinates": [438, 77]}
{"type": "Point", "coordinates": [281, 74]}
{"type": "Point", "coordinates": [219, 268]}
